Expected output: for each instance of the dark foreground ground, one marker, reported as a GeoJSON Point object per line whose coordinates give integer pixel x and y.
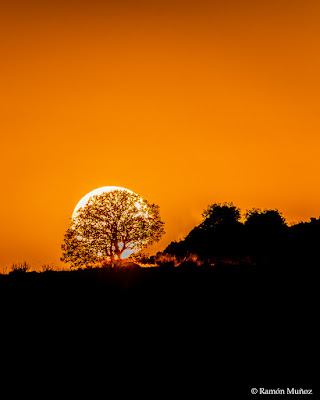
{"type": "Point", "coordinates": [205, 332]}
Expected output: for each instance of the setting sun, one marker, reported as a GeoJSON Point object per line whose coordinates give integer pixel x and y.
{"type": "Point", "coordinates": [96, 192]}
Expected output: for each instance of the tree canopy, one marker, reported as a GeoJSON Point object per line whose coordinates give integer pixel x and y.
{"type": "Point", "coordinates": [265, 220]}
{"type": "Point", "coordinates": [222, 234]}
{"type": "Point", "coordinates": [109, 224]}
{"type": "Point", "coordinates": [220, 214]}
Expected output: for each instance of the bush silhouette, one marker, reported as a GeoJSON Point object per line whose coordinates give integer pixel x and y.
{"type": "Point", "coordinates": [20, 268]}
{"type": "Point", "coordinates": [190, 262]}
{"type": "Point", "coordinates": [47, 268]}
{"type": "Point", "coordinates": [166, 260]}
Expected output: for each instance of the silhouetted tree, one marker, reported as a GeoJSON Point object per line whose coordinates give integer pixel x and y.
{"type": "Point", "coordinates": [221, 230]}
{"type": "Point", "coordinates": [265, 233]}
{"type": "Point", "coordinates": [218, 214]}
{"type": "Point", "coordinates": [219, 234]}
{"type": "Point", "coordinates": [302, 242]}
{"type": "Point", "coordinates": [109, 224]}
{"type": "Point", "coordinates": [270, 220]}
{"type": "Point", "coordinates": [263, 239]}
{"type": "Point", "coordinates": [76, 251]}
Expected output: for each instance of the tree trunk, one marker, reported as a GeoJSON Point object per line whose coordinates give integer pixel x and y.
{"type": "Point", "coordinates": [117, 250]}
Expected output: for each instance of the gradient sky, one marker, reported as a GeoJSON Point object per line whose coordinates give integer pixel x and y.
{"type": "Point", "coordinates": [184, 102]}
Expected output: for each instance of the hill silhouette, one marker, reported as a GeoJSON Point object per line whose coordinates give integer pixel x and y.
{"type": "Point", "coordinates": [231, 307]}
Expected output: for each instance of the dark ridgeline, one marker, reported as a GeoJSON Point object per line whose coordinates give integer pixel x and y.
{"type": "Point", "coordinates": [242, 313]}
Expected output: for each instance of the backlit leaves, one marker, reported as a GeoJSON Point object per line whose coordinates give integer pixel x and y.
{"type": "Point", "coordinates": [110, 224]}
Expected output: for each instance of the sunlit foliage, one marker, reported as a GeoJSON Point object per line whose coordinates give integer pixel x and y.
{"type": "Point", "coordinates": [109, 225]}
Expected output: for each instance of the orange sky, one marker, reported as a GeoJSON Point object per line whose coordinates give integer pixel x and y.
{"type": "Point", "coordinates": [184, 102]}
